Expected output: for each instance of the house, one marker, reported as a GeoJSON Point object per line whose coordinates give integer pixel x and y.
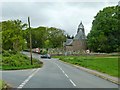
{"type": "Point", "coordinates": [78, 43]}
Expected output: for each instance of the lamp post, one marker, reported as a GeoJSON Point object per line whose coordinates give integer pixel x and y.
{"type": "Point", "coordinates": [30, 41]}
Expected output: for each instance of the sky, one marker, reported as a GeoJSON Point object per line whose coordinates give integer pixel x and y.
{"type": "Point", "coordinates": [63, 14]}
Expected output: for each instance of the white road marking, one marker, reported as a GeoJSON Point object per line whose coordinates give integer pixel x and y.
{"type": "Point", "coordinates": [72, 82]}
{"type": "Point", "coordinates": [63, 71]}
{"type": "Point", "coordinates": [24, 82]}
{"type": "Point", "coordinates": [66, 75]}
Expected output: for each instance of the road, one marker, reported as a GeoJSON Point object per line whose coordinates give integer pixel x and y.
{"type": "Point", "coordinates": [54, 74]}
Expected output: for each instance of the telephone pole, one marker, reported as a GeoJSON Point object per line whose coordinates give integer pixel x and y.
{"type": "Point", "coordinates": [30, 41]}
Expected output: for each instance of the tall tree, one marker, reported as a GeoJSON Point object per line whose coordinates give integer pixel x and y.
{"type": "Point", "coordinates": [45, 37]}
{"type": "Point", "coordinates": [12, 35]}
{"type": "Point", "coordinates": [104, 36]}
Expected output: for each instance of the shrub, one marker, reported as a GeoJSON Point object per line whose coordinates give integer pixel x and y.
{"type": "Point", "coordinates": [18, 61]}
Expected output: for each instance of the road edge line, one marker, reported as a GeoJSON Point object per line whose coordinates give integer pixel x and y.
{"type": "Point", "coordinates": [93, 73]}
{"type": "Point", "coordinates": [65, 74]}
{"type": "Point", "coordinates": [28, 78]}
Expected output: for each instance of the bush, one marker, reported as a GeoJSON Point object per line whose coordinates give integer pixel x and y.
{"type": "Point", "coordinates": [18, 61]}
{"type": "Point", "coordinates": [5, 53]}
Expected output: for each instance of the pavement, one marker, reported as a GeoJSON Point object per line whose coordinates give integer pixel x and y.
{"type": "Point", "coordinates": [54, 74]}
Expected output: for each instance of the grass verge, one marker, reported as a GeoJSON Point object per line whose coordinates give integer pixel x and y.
{"type": "Point", "coordinates": [2, 85]}
{"type": "Point", "coordinates": [108, 65]}
{"type": "Point", "coordinates": [16, 61]}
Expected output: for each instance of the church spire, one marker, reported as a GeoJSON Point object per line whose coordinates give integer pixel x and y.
{"type": "Point", "coordinates": [80, 27]}
{"type": "Point", "coordinates": [80, 32]}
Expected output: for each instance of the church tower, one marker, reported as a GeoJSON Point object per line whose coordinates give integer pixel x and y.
{"type": "Point", "coordinates": [78, 43]}
{"type": "Point", "coordinates": [80, 27]}
{"type": "Point", "coordinates": [80, 32]}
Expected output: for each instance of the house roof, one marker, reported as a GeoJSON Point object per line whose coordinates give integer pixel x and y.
{"type": "Point", "coordinates": [80, 36]}
{"type": "Point", "coordinates": [69, 42]}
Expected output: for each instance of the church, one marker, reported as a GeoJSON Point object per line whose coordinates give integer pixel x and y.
{"type": "Point", "coordinates": [78, 43]}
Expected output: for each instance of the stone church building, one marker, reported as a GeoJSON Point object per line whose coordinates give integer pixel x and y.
{"type": "Point", "coordinates": [78, 43]}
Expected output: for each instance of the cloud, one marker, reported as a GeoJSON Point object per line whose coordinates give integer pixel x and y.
{"type": "Point", "coordinates": [64, 15]}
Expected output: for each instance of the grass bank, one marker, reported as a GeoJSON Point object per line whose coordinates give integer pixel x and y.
{"type": "Point", "coordinates": [2, 85]}
{"type": "Point", "coordinates": [16, 61]}
{"type": "Point", "coordinates": [104, 64]}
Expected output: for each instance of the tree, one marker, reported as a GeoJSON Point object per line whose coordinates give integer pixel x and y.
{"type": "Point", "coordinates": [45, 37]}
{"type": "Point", "coordinates": [57, 37]}
{"type": "Point", "coordinates": [104, 35]}
{"type": "Point", "coordinates": [38, 36]}
{"type": "Point", "coordinates": [0, 42]}
{"type": "Point", "coordinates": [12, 35]}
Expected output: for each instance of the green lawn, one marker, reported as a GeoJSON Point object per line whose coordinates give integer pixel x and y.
{"type": "Point", "coordinates": [105, 64]}
{"type": "Point", "coordinates": [14, 61]}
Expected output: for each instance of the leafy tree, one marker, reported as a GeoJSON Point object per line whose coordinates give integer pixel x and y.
{"type": "Point", "coordinates": [12, 35]}
{"type": "Point", "coordinates": [38, 36]}
{"type": "Point", "coordinates": [0, 42]}
{"type": "Point", "coordinates": [104, 36]}
{"type": "Point", "coordinates": [45, 37]}
{"type": "Point", "coordinates": [15, 36]}
{"type": "Point", "coordinates": [47, 44]}
{"type": "Point", "coordinates": [69, 37]}
{"type": "Point", "coordinates": [56, 36]}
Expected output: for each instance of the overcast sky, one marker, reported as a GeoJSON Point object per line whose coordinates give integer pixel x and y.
{"type": "Point", "coordinates": [62, 14]}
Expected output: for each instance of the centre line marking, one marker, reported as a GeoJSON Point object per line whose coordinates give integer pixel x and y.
{"type": "Point", "coordinates": [66, 75]}
{"type": "Point", "coordinates": [26, 80]}
{"type": "Point", "coordinates": [72, 82]}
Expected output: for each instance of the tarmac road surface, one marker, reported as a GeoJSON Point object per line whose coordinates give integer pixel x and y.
{"type": "Point", "coordinates": [54, 74]}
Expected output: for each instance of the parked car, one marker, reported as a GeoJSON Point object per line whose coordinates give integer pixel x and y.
{"type": "Point", "coordinates": [46, 56]}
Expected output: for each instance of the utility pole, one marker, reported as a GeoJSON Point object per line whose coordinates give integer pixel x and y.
{"type": "Point", "coordinates": [30, 41]}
